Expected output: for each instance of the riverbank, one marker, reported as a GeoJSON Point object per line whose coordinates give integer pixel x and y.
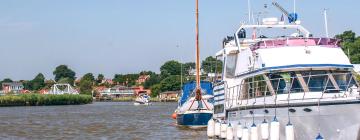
{"type": "Point", "coordinates": [44, 100]}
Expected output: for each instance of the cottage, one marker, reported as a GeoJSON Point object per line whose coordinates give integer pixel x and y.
{"type": "Point", "coordinates": [169, 96]}
{"type": "Point", "coordinates": [117, 91]}
{"type": "Point", "coordinates": [15, 87]}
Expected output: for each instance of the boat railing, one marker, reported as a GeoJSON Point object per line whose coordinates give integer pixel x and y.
{"type": "Point", "coordinates": [281, 42]}
{"type": "Point", "coordinates": [256, 88]}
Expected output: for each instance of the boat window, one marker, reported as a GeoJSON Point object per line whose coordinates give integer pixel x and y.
{"type": "Point", "coordinates": [318, 81]}
{"type": "Point", "coordinates": [230, 65]}
{"type": "Point", "coordinates": [219, 108]}
{"type": "Point", "coordinates": [255, 87]}
{"type": "Point", "coordinates": [344, 81]}
{"type": "Point", "coordinates": [278, 83]}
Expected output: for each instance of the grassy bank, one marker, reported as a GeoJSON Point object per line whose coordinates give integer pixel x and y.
{"type": "Point", "coordinates": [42, 100]}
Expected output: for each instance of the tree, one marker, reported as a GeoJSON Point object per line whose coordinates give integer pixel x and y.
{"type": "Point", "coordinates": [66, 81]}
{"type": "Point", "coordinates": [153, 80]}
{"type": "Point", "coordinates": [86, 84]}
{"type": "Point", "coordinates": [171, 83]}
{"type": "Point", "coordinates": [38, 82]}
{"type": "Point", "coordinates": [170, 68]}
{"type": "Point", "coordinates": [211, 65]}
{"type": "Point", "coordinates": [100, 78]}
{"type": "Point", "coordinates": [63, 71]}
{"type": "Point", "coordinates": [350, 45]}
{"type": "Point", "coordinates": [127, 79]}
{"type": "Point", "coordinates": [187, 67]}
{"type": "Point", "coordinates": [155, 90]}
{"type": "Point", "coordinates": [88, 77]}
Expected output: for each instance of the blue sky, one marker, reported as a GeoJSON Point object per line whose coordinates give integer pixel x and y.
{"type": "Point", "coordinates": [128, 36]}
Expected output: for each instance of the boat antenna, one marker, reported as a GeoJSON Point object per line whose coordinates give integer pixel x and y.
{"type": "Point", "coordinates": [294, 6]}
{"type": "Point", "coordinates": [181, 69]}
{"type": "Point", "coordinates": [249, 11]}
{"type": "Point", "coordinates": [326, 23]}
{"type": "Point", "coordinates": [198, 88]}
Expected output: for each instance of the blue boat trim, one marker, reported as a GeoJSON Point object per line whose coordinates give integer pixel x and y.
{"type": "Point", "coordinates": [219, 100]}
{"type": "Point", "coordinates": [193, 119]}
{"type": "Point", "coordinates": [296, 66]}
{"type": "Point", "coordinates": [222, 94]}
{"type": "Point", "coordinates": [219, 89]}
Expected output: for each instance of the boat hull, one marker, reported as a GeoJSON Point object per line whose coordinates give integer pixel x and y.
{"type": "Point", "coordinates": [141, 103]}
{"type": "Point", "coordinates": [193, 120]}
{"type": "Point", "coordinates": [337, 122]}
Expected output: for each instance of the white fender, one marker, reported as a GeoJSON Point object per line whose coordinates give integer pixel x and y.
{"type": "Point", "coordinates": [229, 132]}
{"type": "Point", "coordinates": [289, 131]}
{"type": "Point", "coordinates": [217, 129]}
{"type": "Point", "coordinates": [245, 133]}
{"type": "Point", "coordinates": [264, 130]}
{"type": "Point", "coordinates": [274, 129]}
{"type": "Point", "coordinates": [239, 133]}
{"type": "Point", "coordinates": [254, 132]}
{"type": "Point", "coordinates": [211, 128]}
{"type": "Point", "coordinates": [223, 130]}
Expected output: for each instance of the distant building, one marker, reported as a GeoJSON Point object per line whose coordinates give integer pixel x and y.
{"type": "Point", "coordinates": [117, 91]}
{"type": "Point", "coordinates": [142, 79]}
{"type": "Point", "coordinates": [15, 87]}
{"type": "Point", "coordinates": [169, 95]}
{"type": "Point", "coordinates": [109, 81]}
{"type": "Point", "coordinates": [140, 89]}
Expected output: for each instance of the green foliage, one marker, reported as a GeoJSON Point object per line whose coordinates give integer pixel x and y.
{"type": "Point", "coordinates": [47, 99]}
{"type": "Point", "coordinates": [170, 68]}
{"type": "Point", "coordinates": [62, 72]}
{"type": "Point", "coordinates": [38, 82]}
{"type": "Point", "coordinates": [211, 65]}
{"type": "Point", "coordinates": [171, 83]}
{"type": "Point", "coordinates": [127, 79]}
{"type": "Point", "coordinates": [100, 78]}
{"type": "Point", "coordinates": [155, 90]}
{"type": "Point", "coordinates": [187, 67]}
{"type": "Point", "coordinates": [147, 73]}
{"type": "Point", "coordinates": [350, 45]}
{"type": "Point", "coordinates": [49, 84]}
{"type": "Point", "coordinates": [86, 84]}
{"type": "Point", "coordinates": [88, 77]}
{"type": "Point", "coordinates": [154, 79]}
{"type": "Point", "coordinates": [66, 81]}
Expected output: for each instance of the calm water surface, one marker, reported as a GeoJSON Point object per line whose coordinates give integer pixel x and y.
{"type": "Point", "coordinates": [100, 120]}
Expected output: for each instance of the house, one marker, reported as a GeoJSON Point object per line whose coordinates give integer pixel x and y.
{"type": "Point", "coordinates": [117, 91]}
{"type": "Point", "coordinates": [15, 87]}
{"type": "Point", "coordinates": [169, 96]}
{"type": "Point", "coordinates": [142, 79]}
{"type": "Point", "coordinates": [140, 89]}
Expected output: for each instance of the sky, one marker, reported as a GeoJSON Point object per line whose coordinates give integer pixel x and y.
{"type": "Point", "coordinates": [129, 36]}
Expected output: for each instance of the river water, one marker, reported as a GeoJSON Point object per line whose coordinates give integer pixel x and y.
{"type": "Point", "coordinates": [100, 120]}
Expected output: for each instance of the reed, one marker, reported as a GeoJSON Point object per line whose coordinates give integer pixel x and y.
{"type": "Point", "coordinates": [42, 100]}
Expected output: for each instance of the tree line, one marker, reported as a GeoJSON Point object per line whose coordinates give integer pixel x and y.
{"type": "Point", "coordinates": [169, 78]}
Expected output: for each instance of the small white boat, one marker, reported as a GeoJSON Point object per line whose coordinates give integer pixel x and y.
{"type": "Point", "coordinates": [142, 99]}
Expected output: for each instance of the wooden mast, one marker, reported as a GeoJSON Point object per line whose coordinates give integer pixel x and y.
{"type": "Point", "coordinates": [198, 88]}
